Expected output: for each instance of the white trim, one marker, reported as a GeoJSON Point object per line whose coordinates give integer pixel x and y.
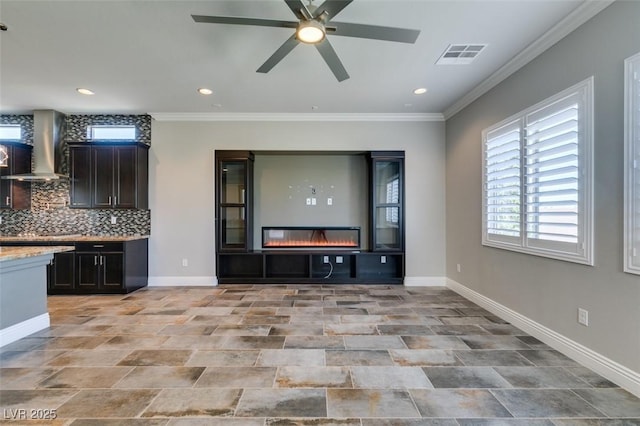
{"type": "Point", "coordinates": [24, 329]}
{"type": "Point", "coordinates": [579, 16]}
{"type": "Point", "coordinates": [617, 373]}
{"type": "Point", "coordinates": [631, 66]}
{"type": "Point", "coordinates": [425, 281]}
{"type": "Point", "coordinates": [208, 116]}
{"type": "Point", "coordinates": [182, 281]}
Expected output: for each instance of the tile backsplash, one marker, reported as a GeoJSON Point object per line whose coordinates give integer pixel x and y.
{"type": "Point", "coordinates": [50, 212]}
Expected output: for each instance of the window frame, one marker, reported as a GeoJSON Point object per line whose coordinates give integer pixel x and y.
{"type": "Point", "coordinates": [582, 251]}
{"type": "Point", "coordinates": [631, 162]}
{"type": "Point", "coordinates": [91, 132]}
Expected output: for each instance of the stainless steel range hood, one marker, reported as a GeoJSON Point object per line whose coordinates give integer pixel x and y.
{"type": "Point", "coordinates": [47, 153]}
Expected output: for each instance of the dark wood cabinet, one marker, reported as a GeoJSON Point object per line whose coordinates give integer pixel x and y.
{"type": "Point", "coordinates": [382, 263]}
{"type": "Point", "coordinates": [61, 273]}
{"type": "Point", "coordinates": [110, 267]}
{"type": "Point", "coordinates": [386, 214]}
{"type": "Point", "coordinates": [15, 194]}
{"type": "Point", "coordinates": [311, 267]}
{"type": "Point", "coordinates": [108, 176]}
{"type": "Point", "coordinates": [234, 196]}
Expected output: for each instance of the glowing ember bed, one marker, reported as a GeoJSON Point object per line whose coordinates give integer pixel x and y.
{"type": "Point", "coordinates": [290, 237]}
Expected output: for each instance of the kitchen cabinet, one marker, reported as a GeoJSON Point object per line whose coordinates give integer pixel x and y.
{"type": "Point", "coordinates": [109, 175]}
{"type": "Point", "coordinates": [234, 195]}
{"type": "Point", "coordinates": [110, 267]}
{"type": "Point", "coordinates": [61, 273]}
{"type": "Point", "coordinates": [16, 194]}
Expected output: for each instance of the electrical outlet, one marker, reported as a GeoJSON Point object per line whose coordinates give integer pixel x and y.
{"type": "Point", "coordinates": [313, 201]}
{"type": "Point", "coordinates": [458, 267]}
{"type": "Point", "coordinates": [383, 259]}
{"type": "Point", "coordinates": [325, 259]}
{"type": "Point", "coordinates": [185, 262]}
{"type": "Point", "coordinates": [308, 201]}
{"type": "Point", "coordinates": [329, 201]}
{"type": "Point", "coordinates": [583, 317]}
{"type": "Point", "coordinates": [339, 259]}
{"type": "Point", "coordinates": [114, 220]}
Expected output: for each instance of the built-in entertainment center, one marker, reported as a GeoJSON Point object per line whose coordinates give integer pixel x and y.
{"type": "Point", "coordinates": [317, 217]}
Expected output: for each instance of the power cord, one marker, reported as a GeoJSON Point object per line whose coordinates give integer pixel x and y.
{"type": "Point", "coordinates": [330, 270]}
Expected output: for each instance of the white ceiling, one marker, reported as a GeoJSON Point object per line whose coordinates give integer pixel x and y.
{"type": "Point", "coordinates": [149, 56]}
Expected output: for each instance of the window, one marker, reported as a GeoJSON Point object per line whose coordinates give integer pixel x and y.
{"type": "Point", "coordinates": [538, 178]}
{"type": "Point", "coordinates": [111, 132]}
{"type": "Point", "coordinates": [10, 132]}
{"type": "Point", "coordinates": [632, 165]}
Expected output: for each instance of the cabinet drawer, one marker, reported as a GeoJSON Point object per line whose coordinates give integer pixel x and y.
{"type": "Point", "coordinates": [98, 246]}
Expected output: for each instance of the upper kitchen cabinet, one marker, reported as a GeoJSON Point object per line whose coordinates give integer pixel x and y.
{"type": "Point", "coordinates": [15, 194]}
{"type": "Point", "coordinates": [109, 175]}
{"type": "Point", "coordinates": [387, 200]}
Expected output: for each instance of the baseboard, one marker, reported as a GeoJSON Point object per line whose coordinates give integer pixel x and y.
{"type": "Point", "coordinates": [611, 370]}
{"type": "Point", "coordinates": [182, 281]}
{"type": "Point", "coordinates": [425, 281]}
{"type": "Point", "coordinates": [24, 329]}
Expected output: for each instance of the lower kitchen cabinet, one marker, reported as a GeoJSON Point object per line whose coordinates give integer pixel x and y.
{"type": "Point", "coordinates": [270, 267]}
{"type": "Point", "coordinates": [61, 273]}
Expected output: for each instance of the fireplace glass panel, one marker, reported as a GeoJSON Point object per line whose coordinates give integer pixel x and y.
{"type": "Point", "coordinates": [299, 237]}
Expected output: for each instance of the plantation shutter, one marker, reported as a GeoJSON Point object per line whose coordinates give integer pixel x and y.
{"type": "Point", "coordinates": [633, 161]}
{"type": "Point", "coordinates": [553, 169]}
{"type": "Point", "coordinates": [502, 183]}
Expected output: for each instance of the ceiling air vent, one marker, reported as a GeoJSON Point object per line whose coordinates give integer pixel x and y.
{"type": "Point", "coordinates": [460, 54]}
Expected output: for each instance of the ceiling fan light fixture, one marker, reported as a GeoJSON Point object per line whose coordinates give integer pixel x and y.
{"type": "Point", "coordinates": [310, 32]}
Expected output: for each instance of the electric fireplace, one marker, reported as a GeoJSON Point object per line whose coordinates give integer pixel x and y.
{"type": "Point", "coordinates": [294, 237]}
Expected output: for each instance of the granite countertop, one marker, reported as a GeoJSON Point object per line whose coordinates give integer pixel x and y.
{"type": "Point", "coordinates": [73, 238]}
{"type": "Point", "coordinates": [12, 253]}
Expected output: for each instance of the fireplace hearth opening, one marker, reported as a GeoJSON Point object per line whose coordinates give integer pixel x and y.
{"type": "Point", "coordinates": [292, 237]}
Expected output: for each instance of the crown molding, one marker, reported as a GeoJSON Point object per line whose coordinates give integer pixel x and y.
{"type": "Point", "coordinates": [579, 16]}
{"type": "Point", "coordinates": [206, 116]}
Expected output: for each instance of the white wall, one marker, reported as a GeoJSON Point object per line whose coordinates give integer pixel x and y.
{"type": "Point", "coordinates": [181, 180]}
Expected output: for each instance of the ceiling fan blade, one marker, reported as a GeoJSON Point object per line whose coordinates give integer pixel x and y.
{"type": "Point", "coordinates": [332, 7]}
{"type": "Point", "coordinates": [331, 58]}
{"type": "Point", "coordinates": [299, 9]}
{"type": "Point", "coordinates": [279, 54]}
{"type": "Point", "coordinates": [402, 35]}
{"type": "Point", "coordinates": [244, 21]}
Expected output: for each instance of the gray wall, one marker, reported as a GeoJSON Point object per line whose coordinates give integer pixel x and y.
{"type": "Point", "coordinates": [283, 184]}
{"type": "Point", "coordinates": [182, 190]}
{"type": "Point", "coordinates": [550, 291]}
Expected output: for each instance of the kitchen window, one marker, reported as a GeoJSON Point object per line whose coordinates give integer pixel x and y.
{"type": "Point", "coordinates": [111, 133]}
{"type": "Point", "coordinates": [537, 180]}
{"type": "Point", "coordinates": [10, 132]}
{"type": "Point", "coordinates": [632, 165]}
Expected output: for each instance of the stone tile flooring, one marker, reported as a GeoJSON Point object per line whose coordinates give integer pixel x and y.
{"type": "Point", "coordinates": [295, 355]}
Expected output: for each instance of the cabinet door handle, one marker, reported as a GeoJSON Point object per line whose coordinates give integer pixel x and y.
{"type": "Point", "coordinates": [109, 199]}
{"type": "Point", "coordinates": [101, 259]}
{"type": "Point", "coordinates": [95, 260]}
{"type": "Point", "coordinates": [7, 200]}
{"type": "Point", "coordinates": [115, 200]}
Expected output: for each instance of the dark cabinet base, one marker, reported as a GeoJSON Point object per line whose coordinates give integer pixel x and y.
{"type": "Point", "coordinates": [311, 268]}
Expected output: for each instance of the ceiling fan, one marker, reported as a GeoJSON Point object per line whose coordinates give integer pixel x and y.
{"type": "Point", "coordinates": [314, 23]}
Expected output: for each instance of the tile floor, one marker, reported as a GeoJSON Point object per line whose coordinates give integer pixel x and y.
{"type": "Point", "coordinates": [295, 355]}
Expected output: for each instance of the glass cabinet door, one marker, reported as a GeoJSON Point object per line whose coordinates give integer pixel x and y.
{"type": "Point", "coordinates": [387, 199]}
{"type": "Point", "coordinates": [234, 174]}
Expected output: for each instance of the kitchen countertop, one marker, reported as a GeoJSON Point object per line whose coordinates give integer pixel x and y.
{"type": "Point", "coordinates": [73, 238]}
{"type": "Point", "coordinates": [12, 253]}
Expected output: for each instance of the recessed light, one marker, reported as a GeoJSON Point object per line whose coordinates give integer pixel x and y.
{"type": "Point", "coordinates": [83, 91]}
{"type": "Point", "coordinates": [205, 91]}
{"type": "Point", "coordinates": [420, 91]}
